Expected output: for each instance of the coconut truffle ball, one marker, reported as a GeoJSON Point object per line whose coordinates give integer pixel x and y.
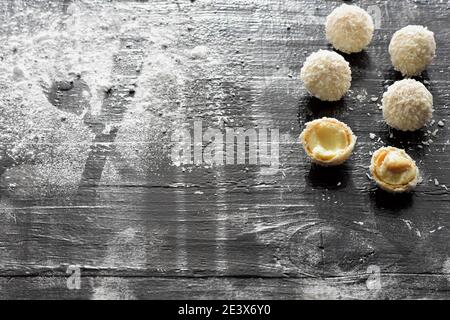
{"type": "Point", "coordinates": [326, 75]}
{"type": "Point", "coordinates": [407, 105]}
{"type": "Point", "coordinates": [349, 28]}
{"type": "Point", "coordinates": [412, 49]}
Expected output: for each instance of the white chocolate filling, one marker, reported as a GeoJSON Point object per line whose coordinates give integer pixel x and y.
{"type": "Point", "coordinates": [394, 170]}
{"type": "Point", "coordinates": [328, 141]}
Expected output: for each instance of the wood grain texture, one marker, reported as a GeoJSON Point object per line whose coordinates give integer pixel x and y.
{"type": "Point", "coordinates": [246, 231]}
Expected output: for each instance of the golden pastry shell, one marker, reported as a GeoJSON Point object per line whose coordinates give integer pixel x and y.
{"type": "Point", "coordinates": [343, 154]}
{"type": "Point", "coordinates": [393, 188]}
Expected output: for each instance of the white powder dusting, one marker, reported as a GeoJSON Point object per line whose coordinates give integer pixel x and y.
{"type": "Point", "coordinates": [159, 109]}
{"type": "Point", "coordinates": [40, 146]}
{"type": "Point", "coordinates": [112, 288]}
{"type": "Point", "coordinates": [44, 145]}
{"type": "Point", "coordinates": [446, 268]}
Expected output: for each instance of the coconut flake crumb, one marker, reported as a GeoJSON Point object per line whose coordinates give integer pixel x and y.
{"type": "Point", "coordinates": [437, 229]}
{"type": "Point", "coordinates": [199, 52]}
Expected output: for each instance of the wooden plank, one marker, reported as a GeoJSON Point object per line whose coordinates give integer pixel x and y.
{"type": "Point", "coordinates": [397, 287]}
{"type": "Point", "coordinates": [141, 228]}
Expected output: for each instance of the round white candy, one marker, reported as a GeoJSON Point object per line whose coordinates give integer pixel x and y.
{"type": "Point", "coordinates": [349, 28]}
{"type": "Point", "coordinates": [412, 49]}
{"type": "Point", "coordinates": [326, 75]}
{"type": "Point", "coordinates": [407, 105]}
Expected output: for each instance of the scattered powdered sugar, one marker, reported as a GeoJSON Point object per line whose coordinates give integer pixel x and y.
{"type": "Point", "coordinates": [159, 109]}
{"type": "Point", "coordinates": [44, 138]}
{"type": "Point", "coordinates": [58, 66]}
{"type": "Point", "coordinates": [39, 144]}
{"type": "Point", "coordinates": [144, 134]}
{"type": "Point", "coordinates": [44, 147]}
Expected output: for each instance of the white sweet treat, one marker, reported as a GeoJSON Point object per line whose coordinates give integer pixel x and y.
{"type": "Point", "coordinates": [412, 49]}
{"type": "Point", "coordinates": [407, 105]}
{"type": "Point", "coordinates": [327, 141]}
{"type": "Point", "coordinates": [349, 28]}
{"type": "Point", "coordinates": [394, 170]}
{"type": "Point", "coordinates": [326, 75]}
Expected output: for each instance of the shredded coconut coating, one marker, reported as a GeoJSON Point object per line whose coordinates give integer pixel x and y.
{"type": "Point", "coordinates": [407, 105]}
{"type": "Point", "coordinates": [412, 49]}
{"type": "Point", "coordinates": [326, 75]}
{"type": "Point", "coordinates": [349, 28]}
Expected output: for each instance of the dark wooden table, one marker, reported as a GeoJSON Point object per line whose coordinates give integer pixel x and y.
{"type": "Point", "coordinates": [138, 227]}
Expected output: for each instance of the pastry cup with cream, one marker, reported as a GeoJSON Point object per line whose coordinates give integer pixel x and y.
{"type": "Point", "coordinates": [327, 141]}
{"type": "Point", "coordinates": [394, 170]}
